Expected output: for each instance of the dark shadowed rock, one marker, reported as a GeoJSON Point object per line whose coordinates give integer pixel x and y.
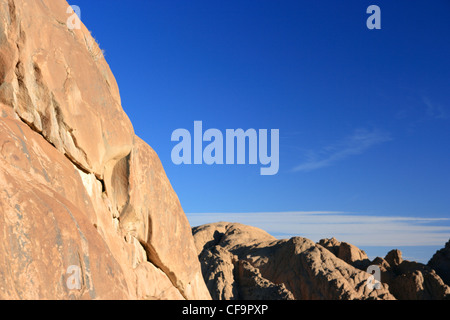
{"type": "Point", "coordinates": [440, 262]}
{"type": "Point", "coordinates": [394, 258]}
{"type": "Point", "coordinates": [219, 269]}
{"type": "Point", "coordinates": [410, 280]}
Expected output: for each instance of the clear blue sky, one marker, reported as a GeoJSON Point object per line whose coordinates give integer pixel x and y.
{"type": "Point", "coordinates": [364, 115]}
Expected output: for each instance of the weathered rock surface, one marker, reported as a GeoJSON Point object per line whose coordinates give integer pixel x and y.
{"type": "Point", "coordinates": [394, 258]}
{"type": "Point", "coordinates": [234, 255]}
{"type": "Point", "coordinates": [229, 278]}
{"type": "Point", "coordinates": [409, 280]}
{"type": "Point", "coordinates": [54, 83]}
{"type": "Point", "coordinates": [44, 226]}
{"type": "Point", "coordinates": [406, 280]}
{"type": "Point", "coordinates": [78, 188]}
{"type": "Point", "coordinates": [243, 262]}
{"type": "Point", "coordinates": [347, 252]}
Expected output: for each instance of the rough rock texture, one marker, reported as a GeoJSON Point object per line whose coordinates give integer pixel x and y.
{"type": "Point", "coordinates": [243, 262]}
{"type": "Point", "coordinates": [218, 266]}
{"type": "Point", "coordinates": [406, 280]}
{"type": "Point", "coordinates": [42, 231]}
{"type": "Point", "coordinates": [229, 278]}
{"type": "Point", "coordinates": [440, 262]}
{"type": "Point", "coordinates": [410, 280]}
{"type": "Point", "coordinates": [77, 187]}
{"type": "Point", "coordinates": [54, 83]}
{"type": "Point", "coordinates": [394, 258]}
{"type": "Point", "coordinates": [347, 252]}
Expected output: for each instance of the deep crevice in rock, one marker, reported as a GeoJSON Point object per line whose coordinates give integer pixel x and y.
{"type": "Point", "coordinates": [153, 259]}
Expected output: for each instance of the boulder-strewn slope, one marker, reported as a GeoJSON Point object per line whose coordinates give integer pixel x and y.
{"type": "Point", "coordinates": [409, 280]}
{"type": "Point", "coordinates": [77, 186]}
{"type": "Point", "coordinates": [406, 280]}
{"type": "Point", "coordinates": [243, 262]}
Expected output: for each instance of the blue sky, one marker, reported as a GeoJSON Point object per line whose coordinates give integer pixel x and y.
{"type": "Point", "coordinates": [364, 115]}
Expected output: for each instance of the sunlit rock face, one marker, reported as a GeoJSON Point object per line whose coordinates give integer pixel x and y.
{"type": "Point", "coordinates": [86, 209]}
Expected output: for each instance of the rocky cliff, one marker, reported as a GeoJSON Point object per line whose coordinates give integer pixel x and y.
{"type": "Point", "coordinates": [78, 189]}
{"type": "Point", "coordinates": [243, 262]}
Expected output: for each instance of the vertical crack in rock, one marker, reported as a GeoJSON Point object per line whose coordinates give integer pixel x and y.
{"type": "Point", "coordinates": [154, 259]}
{"type": "Point", "coordinates": [118, 189]}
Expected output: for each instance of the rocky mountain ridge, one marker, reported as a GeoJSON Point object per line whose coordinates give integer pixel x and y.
{"type": "Point", "coordinates": [244, 262]}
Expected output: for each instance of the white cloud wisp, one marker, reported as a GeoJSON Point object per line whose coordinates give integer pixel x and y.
{"type": "Point", "coordinates": [360, 141]}
{"type": "Point", "coordinates": [360, 230]}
